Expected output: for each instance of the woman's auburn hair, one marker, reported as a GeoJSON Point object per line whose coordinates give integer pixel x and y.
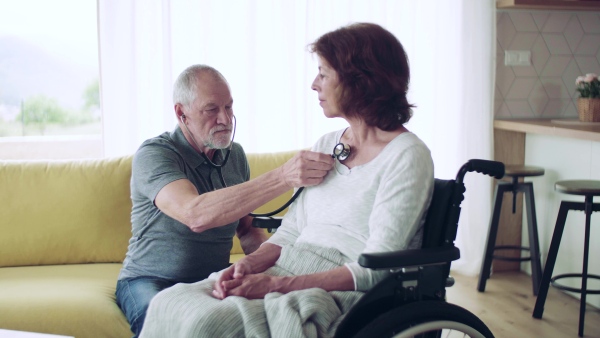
{"type": "Point", "coordinates": [373, 71]}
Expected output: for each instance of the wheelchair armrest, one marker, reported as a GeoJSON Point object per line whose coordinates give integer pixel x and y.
{"type": "Point", "coordinates": [266, 222]}
{"type": "Point", "coordinates": [406, 258]}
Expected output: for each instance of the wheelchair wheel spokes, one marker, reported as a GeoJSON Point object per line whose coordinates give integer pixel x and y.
{"type": "Point", "coordinates": [426, 319]}
{"type": "Point", "coordinates": [441, 329]}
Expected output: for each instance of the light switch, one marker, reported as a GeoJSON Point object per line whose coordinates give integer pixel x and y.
{"type": "Point", "coordinates": [517, 58]}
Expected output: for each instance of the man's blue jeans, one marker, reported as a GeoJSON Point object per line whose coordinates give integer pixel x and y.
{"type": "Point", "coordinates": [134, 295]}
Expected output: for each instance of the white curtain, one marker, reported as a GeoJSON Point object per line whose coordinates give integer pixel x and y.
{"type": "Point", "coordinates": [260, 47]}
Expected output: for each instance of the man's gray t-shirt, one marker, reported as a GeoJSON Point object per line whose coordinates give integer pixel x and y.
{"type": "Point", "coordinates": [160, 246]}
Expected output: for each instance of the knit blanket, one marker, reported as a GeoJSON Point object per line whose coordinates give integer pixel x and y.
{"type": "Point", "coordinates": [190, 310]}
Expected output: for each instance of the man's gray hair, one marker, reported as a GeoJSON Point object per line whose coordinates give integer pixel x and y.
{"type": "Point", "coordinates": [184, 89]}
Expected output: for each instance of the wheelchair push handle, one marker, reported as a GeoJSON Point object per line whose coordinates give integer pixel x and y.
{"type": "Point", "coordinates": [487, 167]}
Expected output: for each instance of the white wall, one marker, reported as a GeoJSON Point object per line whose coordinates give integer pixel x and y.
{"type": "Point", "coordinates": [563, 45]}
{"type": "Point", "coordinates": [565, 159]}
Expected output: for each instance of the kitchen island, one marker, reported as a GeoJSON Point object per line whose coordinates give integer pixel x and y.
{"type": "Point", "coordinates": [566, 149]}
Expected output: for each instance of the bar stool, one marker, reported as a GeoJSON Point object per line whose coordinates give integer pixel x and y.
{"type": "Point", "coordinates": [589, 189]}
{"type": "Point", "coordinates": [516, 172]}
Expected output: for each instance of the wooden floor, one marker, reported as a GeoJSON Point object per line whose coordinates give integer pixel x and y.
{"type": "Point", "coordinates": [507, 304]}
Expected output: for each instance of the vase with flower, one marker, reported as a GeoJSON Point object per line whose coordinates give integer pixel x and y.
{"type": "Point", "coordinates": [588, 103]}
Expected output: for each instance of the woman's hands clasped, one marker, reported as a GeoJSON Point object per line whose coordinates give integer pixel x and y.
{"type": "Point", "coordinates": [253, 286]}
{"type": "Point", "coordinates": [245, 278]}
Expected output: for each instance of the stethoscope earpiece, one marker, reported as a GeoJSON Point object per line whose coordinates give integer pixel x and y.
{"type": "Point", "coordinates": [341, 151]}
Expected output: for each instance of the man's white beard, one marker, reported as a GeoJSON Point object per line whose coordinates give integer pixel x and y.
{"type": "Point", "coordinates": [221, 141]}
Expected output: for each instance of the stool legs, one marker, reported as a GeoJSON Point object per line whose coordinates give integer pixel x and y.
{"type": "Point", "coordinates": [486, 266]}
{"type": "Point", "coordinates": [584, 277]}
{"type": "Point", "coordinates": [565, 206]}
{"type": "Point", "coordinates": [534, 244]}
{"type": "Point", "coordinates": [538, 310]}
{"type": "Point", "coordinates": [534, 247]}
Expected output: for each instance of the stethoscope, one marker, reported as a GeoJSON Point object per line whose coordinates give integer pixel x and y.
{"type": "Point", "coordinates": [340, 152]}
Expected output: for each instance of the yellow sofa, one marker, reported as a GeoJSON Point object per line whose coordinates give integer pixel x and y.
{"type": "Point", "coordinates": [64, 229]}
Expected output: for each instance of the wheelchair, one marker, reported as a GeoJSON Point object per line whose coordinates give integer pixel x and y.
{"type": "Point", "coordinates": [411, 300]}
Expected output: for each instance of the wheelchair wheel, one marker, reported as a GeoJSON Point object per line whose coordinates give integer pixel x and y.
{"type": "Point", "coordinates": [425, 319]}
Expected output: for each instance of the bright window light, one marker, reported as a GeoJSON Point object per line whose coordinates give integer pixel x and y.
{"type": "Point", "coordinates": [49, 74]}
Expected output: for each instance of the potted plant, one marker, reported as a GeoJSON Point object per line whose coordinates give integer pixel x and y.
{"type": "Point", "coordinates": [588, 103]}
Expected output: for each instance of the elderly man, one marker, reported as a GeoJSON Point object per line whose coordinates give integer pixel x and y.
{"type": "Point", "coordinates": [184, 215]}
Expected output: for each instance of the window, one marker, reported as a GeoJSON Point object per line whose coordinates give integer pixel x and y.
{"type": "Point", "coordinates": [49, 79]}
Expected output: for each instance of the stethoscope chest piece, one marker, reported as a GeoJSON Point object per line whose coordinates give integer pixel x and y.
{"type": "Point", "coordinates": [341, 151]}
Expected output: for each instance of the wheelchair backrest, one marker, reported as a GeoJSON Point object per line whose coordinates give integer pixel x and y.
{"type": "Point", "coordinates": [441, 222]}
{"type": "Point", "coordinates": [438, 219]}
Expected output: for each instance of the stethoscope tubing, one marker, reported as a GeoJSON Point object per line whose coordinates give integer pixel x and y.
{"type": "Point", "coordinates": [340, 152]}
{"type": "Point", "coordinates": [219, 167]}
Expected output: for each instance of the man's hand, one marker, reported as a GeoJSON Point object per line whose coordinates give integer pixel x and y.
{"type": "Point", "coordinates": [250, 237]}
{"type": "Point", "coordinates": [306, 168]}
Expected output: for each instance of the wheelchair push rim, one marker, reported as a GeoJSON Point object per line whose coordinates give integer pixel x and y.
{"type": "Point", "coordinates": [426, 319]}
{"type": "Point", "coordinates": [449, 329]}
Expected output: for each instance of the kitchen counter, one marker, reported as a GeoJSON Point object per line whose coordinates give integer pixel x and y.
{"type": "Point", "coordinates": [564, 128]}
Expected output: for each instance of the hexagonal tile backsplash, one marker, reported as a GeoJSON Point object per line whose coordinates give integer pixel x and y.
{"type": "Point", "coordinates": [563, 46]}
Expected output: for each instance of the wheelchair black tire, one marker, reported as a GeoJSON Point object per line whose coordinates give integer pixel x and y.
{"type": "Point", "coordinates": [416, 315]}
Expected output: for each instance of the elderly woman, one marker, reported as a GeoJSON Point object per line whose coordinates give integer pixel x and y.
{"type": "Point", "coordinates": [304, 279]}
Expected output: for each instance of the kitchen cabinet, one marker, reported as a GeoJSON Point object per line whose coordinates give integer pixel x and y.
{"type": "Point", "coordinates": [549, 4]}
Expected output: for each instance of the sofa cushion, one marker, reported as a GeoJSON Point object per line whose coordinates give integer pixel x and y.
{"type": "Point", "coordinates": [57, 215]}
{"type": "Point", "coordinates": [74, 300]}
{"type": "Point", "coordinates": [62, 212]}
{"type": "Point", "coordinates": [96, 225]}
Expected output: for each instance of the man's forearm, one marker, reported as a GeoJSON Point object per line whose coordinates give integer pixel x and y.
{"type": "Point", "coordinates": [226, 205]}
{"type": "Point", "coordinates": [181, 201]}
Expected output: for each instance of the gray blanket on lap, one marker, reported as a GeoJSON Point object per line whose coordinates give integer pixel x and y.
{"type": "Point", "coordinates": [189, 310]}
